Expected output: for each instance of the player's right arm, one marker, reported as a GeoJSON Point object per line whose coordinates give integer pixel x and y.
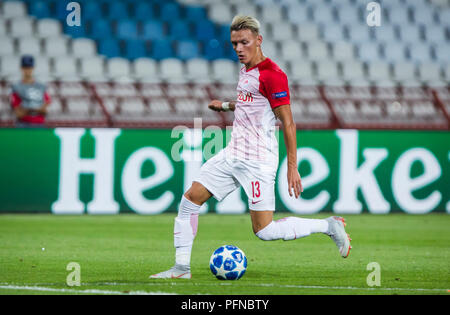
{"type": "Point", "coordinates": [16, 101]}
{"type": "Point", "coordinates": [217, 106]}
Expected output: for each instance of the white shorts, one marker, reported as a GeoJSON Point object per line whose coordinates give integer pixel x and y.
{"type": "Point", "coordinates": [221, 176]}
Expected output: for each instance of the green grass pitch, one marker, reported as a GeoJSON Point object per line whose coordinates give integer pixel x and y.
{"type": "Point", "coordinates": [116, 254]}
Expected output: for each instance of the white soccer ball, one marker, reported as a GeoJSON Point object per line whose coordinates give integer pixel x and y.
{"type": "Point", "coordinates": [228, 262]}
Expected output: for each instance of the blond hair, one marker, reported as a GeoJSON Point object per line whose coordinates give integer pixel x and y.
{"type": "Point", "coordinates": [242, 22]}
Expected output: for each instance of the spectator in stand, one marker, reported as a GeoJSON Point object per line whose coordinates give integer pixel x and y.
{"type": "Point", "coordinates": [29, 98]}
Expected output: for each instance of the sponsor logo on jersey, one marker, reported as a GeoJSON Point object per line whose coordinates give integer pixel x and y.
{"type": "Point", "coordinates": [247, 97]}
{"type": "Point", "coordinates": [279, 95]}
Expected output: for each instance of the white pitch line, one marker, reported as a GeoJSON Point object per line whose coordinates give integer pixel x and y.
{"type": "Point", "coordinates": [197, 284]}
{"type": "Point", "coordinates": [351, 288]}
{"type": "Point", "coordinates": [92, 291]}
{"type": "Point", "coordinates": [185, 283]}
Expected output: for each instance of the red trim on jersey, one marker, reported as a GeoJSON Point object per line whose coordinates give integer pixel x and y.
{"type": "Point", "coordinates": [273, 83]}
{"type": "Point", "coordinates": [39, 119]}
{"type": "Point", "coordinates": [258, 65]}
{"type": "Point", "coordinates": [47, 98]}
{"type": "Point", "coordinates": [15, 100]}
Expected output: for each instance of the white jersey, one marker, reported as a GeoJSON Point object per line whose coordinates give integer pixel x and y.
{"type": "Point", "coordinates": [260, 89]}
{"type": "Point", "coordinates": [250, 159]}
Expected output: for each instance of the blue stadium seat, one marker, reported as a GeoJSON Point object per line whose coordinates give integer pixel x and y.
{"type": "Point", "coordinates": [153, 30]}
{"type": "Point", "coordinates": [213, 49]}
{"type": "Point", "coordinates": [91, 10]}
{"type": "Point", "coordinates": [162, 49]}
{"type": "Point", "coordinates": [61, 9]}
{"type": "Point", "coordinates": [170, 12]}
{"type": "Point", "coordinates": [40, 9]}
{"type": "Point", "coordinates": [187, 49]}
{"type": "Point", "coordinates": [135, 49]}
{"type": "Point", "coordinates": [75, 31]}
{"type": "Point", "coordinates": [205, 30]}
{"type": "Point", "coordinates": [224, 32]}
{"type": "Point", "coordinates": [194, 14]}
{"type": "Point", "coordinates": [127, 29]}
{"type": "Point", "coordinates": [229, 52]}
{"type": "Point", "coordinates": [117, 10]}
{"type": "Point", "coordinates": [109, 47]}
{"type": "Point", "coordinates": [134, 2]}
{"type": "Point", "coordinates": [179, 30]}
{"type": "Point", "coordinates": [100, 29]}
{"type": "Point", "coordinates": [142, 11]}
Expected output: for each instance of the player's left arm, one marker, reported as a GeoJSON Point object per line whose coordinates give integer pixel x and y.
{"type": "Point", "coordinates": [275, 87]}
{"type": "Point", "coordinates": [289, 128]}
{"type": "Point", "coordinates": [46, 103]}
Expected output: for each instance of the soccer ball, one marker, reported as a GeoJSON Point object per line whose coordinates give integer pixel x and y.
{"type": "Point", "coordinates": [228, 262]}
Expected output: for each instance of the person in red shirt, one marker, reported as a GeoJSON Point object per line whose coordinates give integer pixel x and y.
{"type": "Point", "coordinates": [29, 99]}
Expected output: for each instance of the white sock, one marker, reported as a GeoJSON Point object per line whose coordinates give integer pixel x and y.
{"type": "Point", "coordinates": [291, 228]}
{"type": "Point", "coordinates": [185, 230]}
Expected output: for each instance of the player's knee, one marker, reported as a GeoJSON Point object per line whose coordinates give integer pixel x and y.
{"type": "Point", "coordinates": [192, 197]}
{"type": "Point", "coordinates": [197, 194]}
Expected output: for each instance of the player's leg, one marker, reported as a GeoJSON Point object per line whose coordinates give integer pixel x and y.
{"type": "Point", "coordinates": [197, 194]}
{"type": "Point", "coordinates": [185, 230]}
{"type": "Point", "coordinates": [288, 228]}
{"type": "Point", "coordinates": [260, 189]}
{"type": "Point", "coordinates": [260, 219]}
{"type": "Point", "coordinates": [186, 223]}
{"type": "Point", "coordinates": [214, 180]}
{"type": "Point", "coordinates": [291, 228]}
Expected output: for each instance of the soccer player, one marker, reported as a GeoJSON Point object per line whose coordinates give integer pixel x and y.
{"type": "Point", "coordinates": [250, 159]}
{"type": "Point", "coordinates": [29, 98]}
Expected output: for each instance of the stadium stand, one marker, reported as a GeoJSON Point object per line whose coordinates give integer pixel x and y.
{"type": "Point", "coordinates": [155, 63]}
